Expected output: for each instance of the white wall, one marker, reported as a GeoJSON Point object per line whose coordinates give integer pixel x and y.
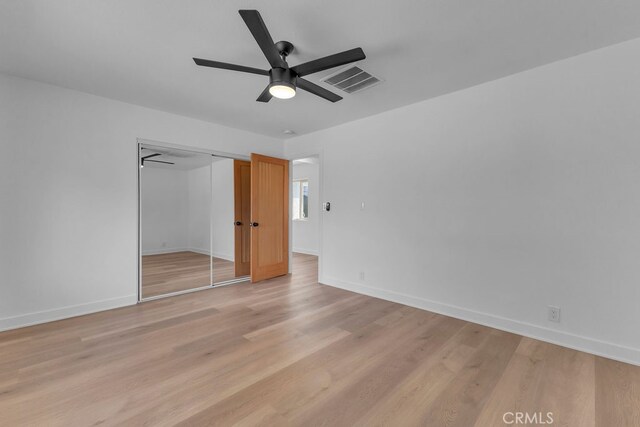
{"type": "Point", "coordinates": [183, 209]}
{"type": "Point", "coordinates": [223, 213]}
{"type": "Point", "coordinates": [68, 195]}
{"type": "Point", "coordinates": [305, 233]}
{"type": "Point", "coordinates": [165, 210]}
{"type": "Point", "coordinates": [494, 202]}
{"type": "Point", "coordinates": [199, 210]}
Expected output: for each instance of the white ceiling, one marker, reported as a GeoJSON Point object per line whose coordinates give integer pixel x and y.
{"type": "Point", "coordinates": [140, 51]}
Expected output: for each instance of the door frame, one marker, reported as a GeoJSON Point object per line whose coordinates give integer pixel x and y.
{"type": "Point", "coordinates": [162, 144]}
{"type": "Point", "coordinates": [319, 153]}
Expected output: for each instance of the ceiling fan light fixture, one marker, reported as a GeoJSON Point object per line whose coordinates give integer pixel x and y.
{"type": "Point", "coordinates": [282, 90]}
{"type": "Point", "coordinates": [282, 83]}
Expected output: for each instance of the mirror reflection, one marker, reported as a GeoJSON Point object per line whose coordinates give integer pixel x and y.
{"type": "Point", "coordinates": [175, 207]}
{"type": "Point", "coordinates": [230, 219]}
{"type": "Point", "coordinates": [194, 218]}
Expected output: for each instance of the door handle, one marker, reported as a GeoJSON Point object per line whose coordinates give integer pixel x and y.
{"type": "Point", "coordinates": [238, 223]}
{"type": "Point", "coordinates": [254, 224]}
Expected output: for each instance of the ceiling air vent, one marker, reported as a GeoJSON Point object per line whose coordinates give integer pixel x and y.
{"type": "Point", "coordinates": [351, 79]}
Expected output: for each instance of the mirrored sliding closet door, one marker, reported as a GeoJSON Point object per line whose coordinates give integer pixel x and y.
{"type": "Point", "coordinates": [175, 221]}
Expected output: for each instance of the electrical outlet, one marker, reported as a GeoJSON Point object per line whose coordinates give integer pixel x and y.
{"type": "Point", "coordinates": [362, 206]}
{"type": "Point", "coordinates": [554, 314]}
{"type": "Point", "coordinates": [362, 276]}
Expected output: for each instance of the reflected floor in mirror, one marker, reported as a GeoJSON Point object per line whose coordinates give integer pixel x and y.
{"type": "Point", "coordinates": [179, 271]}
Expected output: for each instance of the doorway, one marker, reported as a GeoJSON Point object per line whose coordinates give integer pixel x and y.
{"type": "Point", "coordinates": [305, 206]}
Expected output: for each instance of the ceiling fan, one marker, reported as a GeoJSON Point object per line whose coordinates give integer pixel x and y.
{"type": "Point", "coordinates": [283, 80]}
{"type": "Point", "coordinates": [147, 159]}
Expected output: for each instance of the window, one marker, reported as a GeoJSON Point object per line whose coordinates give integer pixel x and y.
{"type": "Point", "coordinates": [300, 199]}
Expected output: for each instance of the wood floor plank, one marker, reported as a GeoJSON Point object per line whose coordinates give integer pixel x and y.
{"type": "Point", "coordinates": [179, 271]}
{"type": "Point", "coordinates": [617, 393]}
{"type": "Point", "coordinates": [461, 401]}
{"type": "Point", "coordinates": [289, 351]}
{"type": "Point", "coordinates": [371, 389]}
{"type": "Point", "coordinates": [545, 379]}
{"type": "Point", "coordinates": [406, 404]}
{"type": "Point", "coordinates": [298, 385]}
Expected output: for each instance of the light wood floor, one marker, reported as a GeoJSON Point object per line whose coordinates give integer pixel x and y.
{"type": "Point", "coordinates": [179, 271]}
{"type": "Point", "coordinates": [291, 352]}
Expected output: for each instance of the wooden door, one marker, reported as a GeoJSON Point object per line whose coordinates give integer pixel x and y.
{"type": "Point", "coordinates": [269, 217]}
{"type": "Point", "coordinates": [242, 207]}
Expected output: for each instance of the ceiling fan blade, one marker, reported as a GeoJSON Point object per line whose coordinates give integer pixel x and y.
{"type": "Point", "coordinates": [160, 161]}
{"type": "Point", "coordinates": [265, 96]}
{"type": "Point", "coordinates": [226, 66]}
{"type": "Point", "coordinates": [317, 90]}
{"type": "Point", "coordinates": [330, 61]}
{"type": "Point", "coordinates": [259, 31]}
{"type": "Point", "coordinates": [151, 155]}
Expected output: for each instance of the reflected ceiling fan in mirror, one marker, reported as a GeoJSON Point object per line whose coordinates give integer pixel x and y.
{"type": "Point", "coordinates": [284, 80]}
{"type": "Point", "coordinates": [149, 159]}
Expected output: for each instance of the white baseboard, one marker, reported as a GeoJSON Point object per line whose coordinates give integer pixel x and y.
{"type": "Point", "coordinates": [38, 317]}
{"type": "Point", "coordinates": [226, 257]}
{"type": "Point", "coordinates": [220, 255]}
{"type": "Point", "coordinates": [196, 250]}
{"type": "Point", "coordinates": [565, 339]}
{"type": "Point", "coordinates": [305, 251]}
{"type": "Point", "coordinates": [163, 251]}
{"type": "Point", "coordinates": [199, 251]}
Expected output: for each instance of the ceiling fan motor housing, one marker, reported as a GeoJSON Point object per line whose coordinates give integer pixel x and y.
{"type": "Point", "coordinates": [284, 48]}
{"type": "Point", "coordinates": [282, 77]}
